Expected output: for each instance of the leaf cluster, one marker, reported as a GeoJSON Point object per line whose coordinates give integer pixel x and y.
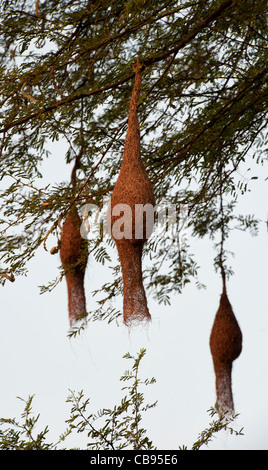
{"type": "Point", "coordinates": [114, 428]}
{"type": "Point", "coordinates": [67, 75]}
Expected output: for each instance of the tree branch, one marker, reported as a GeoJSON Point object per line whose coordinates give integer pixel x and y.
{"type": "Point", "coordinates": [145, 63]}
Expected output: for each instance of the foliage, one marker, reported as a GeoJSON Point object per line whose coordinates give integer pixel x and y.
{"type": "Point", "coordinates": [223, 422]}
{"type": "Point", "coordinates": [21, 435]}
{"type": "Point", "coordinates": [66, 76]}
{"type": "Point", "coordinates": [109, 429]}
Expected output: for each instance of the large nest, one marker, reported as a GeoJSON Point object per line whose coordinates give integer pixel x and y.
{"type": "Point", "coordinates": [131, 193]}
{"type": "Point", "coordinates": [225, 346]}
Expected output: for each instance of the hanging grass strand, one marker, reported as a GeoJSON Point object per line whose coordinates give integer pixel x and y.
{"type": "Point", "coordinates": [225, 338]}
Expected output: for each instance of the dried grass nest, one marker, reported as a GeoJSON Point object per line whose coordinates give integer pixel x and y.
{"type": "Point", "coordinates": [132, 187]}
{"type": "Point", "coordinates": [225, 345]}
{"type": "Point", "coordinates": [74, 255]}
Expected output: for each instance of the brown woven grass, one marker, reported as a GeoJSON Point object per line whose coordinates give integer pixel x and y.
{"type": "Point", "coordinates": [132, 187]}
{"type": "Point", "coordinates": [73, 254]}
{"type": "Point", "coordinates": [225, 346]}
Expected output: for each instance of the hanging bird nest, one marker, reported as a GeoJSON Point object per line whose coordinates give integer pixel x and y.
{"type": "Point", "coordinates": [74, 254]}
{"type": "Point", "coordinates": [132, 191]}
{"type": "Point", "coordinates": [225, 346]}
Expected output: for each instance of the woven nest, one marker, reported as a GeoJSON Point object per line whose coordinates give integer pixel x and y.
{"type": "Point", "coordinates": [73, 254]}
{"type": "Point", "coordinates": [132, 188]}
{"type": "Point", "coordinates": [225, 346]}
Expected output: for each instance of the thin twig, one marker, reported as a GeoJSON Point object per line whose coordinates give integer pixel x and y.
{"type": "Point", "coordinates": [37, 8]}
{"type": "Point", "coordinates": [221, 263]}
{"type": "Point", "coordinates": [10, 276]}
{"type": "Point", "coordinates": [26, 95]}
{"type": "Point", "coordinates": [2, 143]}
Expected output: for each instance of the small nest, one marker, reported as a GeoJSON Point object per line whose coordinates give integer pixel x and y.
{"type": "Point", "coordinates": [225, 346]}
{"type": "Point", "coordinates": [132, 188]}
{"type": "Point", "coordinates": [73, 254]}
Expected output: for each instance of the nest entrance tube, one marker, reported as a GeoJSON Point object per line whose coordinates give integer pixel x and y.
{"type": "Point", "coordinates": [226, 346]}
{"type": "Point", "coordinates": [73, 254]}
{"type": "Point", "coordinates": [132, 191]}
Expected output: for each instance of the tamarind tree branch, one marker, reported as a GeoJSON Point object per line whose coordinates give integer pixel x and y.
{"type": "Point", "coordinates": [10, 276]}
{"type": "Point", "coordinates": [146, 62]}
{"type": "Point", "coordinates": [184, 41]}
{"type": "Point", "coordinates": [64, 101]}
